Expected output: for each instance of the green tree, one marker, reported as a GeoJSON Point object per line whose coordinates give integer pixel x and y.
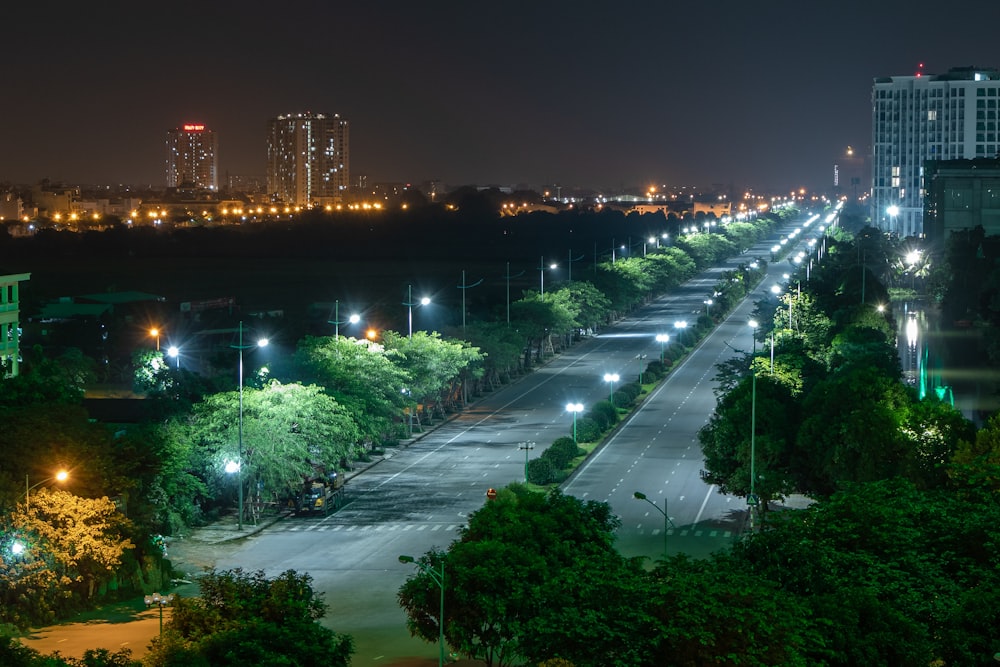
{"type": "Point", "coordinates": [892, 575]}
{"type": "Point", "coordinates": [534, 577]}
{"type": "Point", "coordinates": [716, 612]}
{"type": "Point", "coordinates": [289, 430]}
{"type": "Point", "coordinates": [361, 377]}
{"type": "Point", "coordinates": [245, 618]}
{"type": "Point", "coordinates": [437, 366]}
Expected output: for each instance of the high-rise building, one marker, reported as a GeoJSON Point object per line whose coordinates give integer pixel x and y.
{"type": "Point", "coordinates": [192, 157]}
{"type": "Point", "coordinates": [927, 117]}
{"type": "Point", "coordinates": [308, 158]}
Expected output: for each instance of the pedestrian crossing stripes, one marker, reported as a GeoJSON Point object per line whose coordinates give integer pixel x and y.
{"type": "Point", "coordinates": [378, 527]}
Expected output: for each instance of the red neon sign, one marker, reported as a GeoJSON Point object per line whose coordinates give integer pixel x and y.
{"type": "Point", "coordinates": [189, 127]}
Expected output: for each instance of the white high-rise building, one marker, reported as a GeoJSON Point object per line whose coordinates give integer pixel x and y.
{"type": "Point", "coordinates": [308, 158]}
{"type": "Point", "coordinates": [192, 157]}
{"type": "Point", "coordinates": [925, 117]}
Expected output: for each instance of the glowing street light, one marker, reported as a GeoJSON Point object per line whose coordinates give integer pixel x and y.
{"type": "Point", "coordinates": [262, 342]}
{"type": "Point", "coordinates": [175, 353]}
{"type": "Point", "coordinates": [611, 378]}
{"type": "Point", "coordinates": [437, 578]}
{"type": "Point", "coordinates": [574, 408]}
{"type": "Point", "coordinates": [60, 477]}
{"type": "Point", "coordinates": [155, 333]}
{"type": "Point", "coordinates": [662, 339]}
{"type": "Point", "coordinates": [541, 274]}
{"type": "Point", "coordinates": [353, 319]}
{"type": "Point", "coordinates": [410, 304]}
{"type": "Point", "coordinates": [752, 498]}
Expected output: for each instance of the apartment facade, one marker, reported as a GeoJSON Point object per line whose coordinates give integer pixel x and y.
{"type": "Point", "coordinates": [308, 159]}
{"type": "Point", "coordinates": [192, 157]}
{"type": "Point", "coordinates": [921, 118]}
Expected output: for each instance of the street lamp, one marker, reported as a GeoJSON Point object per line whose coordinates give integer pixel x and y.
{"type": "Point", "coordinates": [155, 333]}
{"type": "Point", "coordinates": [662, 339]}
{"type": "Point", "coordinates": [60, 476]}
{"type": "Point", "coordinates": [680, 325]}
{"type": "Point", "coordinates": [438, 578]}
{"type": "Point", "coordinates": [353, 319]}
{"type": "Point", "coordinates": [464, 287]}
{"type": "Point", "coordinates": [708, 307]}
{"type": "Point", "coordinates": [160, 601]}
{"type": "Point", "coordinates": [174, 352]}
{"type": "Point", "coordinates": [752, 498]}
{"type": "Point", "coordinates": [508, 277]}
{"type": "Point", "coordinates": [261, 342]}
{"type": "Point", "coordinates": [611, 378]}
{"type": "Point", "coordinates": [526, 446]}
{"type": "Point", "coordinates": [575, 408]}
{"type": "Point", "coordinates": [638, 495]}
{"type": "Point", "coordinates": [541, 274]}
{"type": "Point", "coordinates": [640, 358]}
{"type": "Point", "coordinates": [409, 305]}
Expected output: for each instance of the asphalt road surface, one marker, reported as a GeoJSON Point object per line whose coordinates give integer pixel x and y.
{"type": "Point", "coordinates": [419, 498]}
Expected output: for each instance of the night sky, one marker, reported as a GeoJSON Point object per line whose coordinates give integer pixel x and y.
{"type": "Point", "coordinates": [749, 94]}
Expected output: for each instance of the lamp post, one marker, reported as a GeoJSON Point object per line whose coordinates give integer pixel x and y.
{"type": "Point", "coordinates": [507, 276]}
{"type": "Point", "coordinates": [155, 333]}
{"type": "Point", "coordinates": [574, 408]}
{"type": "Point", "coordinates": [752, 498]}
{"type": "Point", "coordinates": [640, 358]}
{"type": "Point", "coordinates": [680, 325]}
{"type": "Point", "coordinates": [611, 378]}
{"type": "Point", "coordinates": [569, 264]}
{"type": "Point", "coordinates": [526, 446]}
{"type": "Point", "coordinates": [662, 339]}
{"type": "Point", "coordinates": [409, 305]}
{"type": "Point", "coordinates": [262, 342]}
{"type": "Point", "coordinates": [638, 495]}
{"type": "Point", "coordinates": [437, 578]}
{"type": "Point", "coordinates": [464, 287]}
{"type": "Point", "coordinates": [708, 307]}
{"type": "Point", "coordinates": [353, 319]}
{"type": "Point", "coordinates": [160, 601]}
{"type": "Point", "coordinates": [541, 275]}
{"type": "Point", "coordinates": [174, 352]}
{"type": "Point", "coordinates": [60, 476]}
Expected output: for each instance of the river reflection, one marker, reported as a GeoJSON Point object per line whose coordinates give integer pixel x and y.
{"type": "Point", "coordinates": [945, 359]}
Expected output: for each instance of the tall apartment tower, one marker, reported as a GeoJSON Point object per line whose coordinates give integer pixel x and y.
{"type": "Point", "coordinates": [192, 157]}
{"type": "Point", "coordinates": [308, 158]}
{"type": "Point", "coordinates": [926, 117]}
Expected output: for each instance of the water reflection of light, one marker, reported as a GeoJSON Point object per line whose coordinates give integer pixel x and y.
{"type": "Point", "coordinates": [911, 330]}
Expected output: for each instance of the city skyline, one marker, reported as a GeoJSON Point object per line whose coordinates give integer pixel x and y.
{"type": "Point", "coordinates": [743, 96]}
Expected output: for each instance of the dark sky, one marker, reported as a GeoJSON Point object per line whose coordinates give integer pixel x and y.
{"type": "Point", "coordinates": [595, 94]}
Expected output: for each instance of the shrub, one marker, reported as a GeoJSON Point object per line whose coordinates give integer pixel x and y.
{"type": "Point", "coordinates": [540, 471]}
{"type": "Point", "coordinates": [562, 452]}
{"type": "Point", "coordinates": [588, 430]}
{"type": "Point", "coordinates": [604, 414]}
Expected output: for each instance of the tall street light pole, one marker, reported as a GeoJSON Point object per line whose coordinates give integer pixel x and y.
{"type": "Point", "coordinates": [541, 274]}
{"type": "Point", "coordinates": [662, 340]}
{"type": "Point", "coordinates": [464, 287]}
{"type": "Point", "coordinates": [60, 476]}
{"type": "Point", "coordinates": [239, 464]}
{"type": "Point", "coordinates": [611, 378]}
{"type": "Point", "coordinates": [526, 446]}
{"type": "Point", "coordinates": [507, 276]}
{"type": "Point", "coordinates": [574, 408]}
{"type": "Point", "coordinates": [752, 498]}
{"type": "Point", "coordinates": [409, 305]}
{"type": "Point", "coordinates": [437, 578]}
{"type": "Point", "coordinates": [667, 523]}
{"type": "Point", "coordinates": [353, 319]}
